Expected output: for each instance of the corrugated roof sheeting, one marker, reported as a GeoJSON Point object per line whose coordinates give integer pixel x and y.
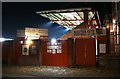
{"type": "Point", "coordinates": [69, 18]}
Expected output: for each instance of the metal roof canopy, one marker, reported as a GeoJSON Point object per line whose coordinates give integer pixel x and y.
{"type": "Point", "coordinates": [71, 18]}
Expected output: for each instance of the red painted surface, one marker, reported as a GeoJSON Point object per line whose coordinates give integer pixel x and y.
{"type": "Point", "coordinates": [16, 52]}
{"type": "Point", "coordinates": [50, 59]}
{"type": "Point", "coordinates": [80, 51]}
{"type": "Point", "coordinates": [90, 52]}
{"type": "Point", "coordinates": [5, 51]}
{"type": "Point", "coordinates": [85, 51]}
{"type": "Point", "coordinates": [18, 58]}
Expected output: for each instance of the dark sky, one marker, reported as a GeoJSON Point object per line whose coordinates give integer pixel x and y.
{"type": "Point", "coordinates": [17, 15]}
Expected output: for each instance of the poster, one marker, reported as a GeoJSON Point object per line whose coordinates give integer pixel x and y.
{"type": "Point", "coordinates": [102, 48]}
{"type": "Point", "coordinates": [25, 49]}
{"type": "Point", "coordinates": [54, 48]}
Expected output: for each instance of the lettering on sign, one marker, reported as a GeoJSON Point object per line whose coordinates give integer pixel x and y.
{"type": "Point", "coordinates": [35, 33]}
{"type": "Point", "coordinates": [54, 48]}
{"type": "Point", "coordinates": [89, 32]}
{"type": "Point", "coordinates": [20, 33]}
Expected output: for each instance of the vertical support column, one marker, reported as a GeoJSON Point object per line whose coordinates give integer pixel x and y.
{"type": "Point", "coordinates": [108, 40]}
{"type": "Point", "coordinates": [0, 37]}
{"type": "Point", "coordinates": [119, 24]}
{"type": "Point", "coordinates": [40, 51]}
{"type": "Point", "coordinates": [86, 18]}
{"type": "Point", "coordinates": [71, 53]}
{"type": "Point", "coordinates": [97, 51]}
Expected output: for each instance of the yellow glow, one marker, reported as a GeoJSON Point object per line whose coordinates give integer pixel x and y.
{"type": "Point", "coordinates": [21, 42]}
{"type": "Point", "coordinates": [114, 21]}
{"type": "Point", "coordinates": [28, 42]}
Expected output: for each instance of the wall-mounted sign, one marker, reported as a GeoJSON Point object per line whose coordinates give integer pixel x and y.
{"type": "Point", "coordinates": [25, 49]}
{"type": "Point", "coordinates": [32, 33]}
{"type": "Point", "coordinates": [32, 36]}
{"type": "Point", "coordinates": [54, 48]}
{"type": "Point", "coordinates": [102, 48]}
{"type": "Point", "coordinates": [20, 33]}
{"type": "Point", "coordinates": [35, 33]}
{"type": "Point", "coordinates": [89, 32]}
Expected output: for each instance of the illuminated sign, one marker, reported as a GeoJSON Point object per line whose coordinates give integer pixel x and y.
{"type": "Point", "coordinates": [89, 32]}
{"type": "Point", "coordinates": [32, 33]}
{"type": "Point", "coordinates": [20, 33]}
{"type": "Point", "coordinates": [32, 37]}
{"type": "Point", "coordinates": [35, 33]}
{"type": "Point", "coordinates": [54, 48]}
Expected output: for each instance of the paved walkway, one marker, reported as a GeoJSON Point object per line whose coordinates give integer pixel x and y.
{"type": "Point", "coordinates": [108, 68]}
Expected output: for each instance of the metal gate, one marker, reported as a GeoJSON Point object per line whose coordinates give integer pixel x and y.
{"type": "Point", "coordinates": [85, 51]}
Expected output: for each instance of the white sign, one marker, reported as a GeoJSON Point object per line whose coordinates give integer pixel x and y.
{"type": "Point", "coordinates": [54, 48]}
{"type": "Point", "coordinates": [25, 49]}
{"type": "Point", "coordinates": [102, 48]}
{"type": "Point", "coordinates": [89, 32]}
{"type": "Point", "coordinates": [32, 37]}
{"type": "Point", "coordinates": [20, 33]}
{"type": "Point", "coordinates": [35, 33]}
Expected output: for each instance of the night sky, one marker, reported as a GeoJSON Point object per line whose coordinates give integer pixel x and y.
{"type": "Point", "coordinates": [17, 15]}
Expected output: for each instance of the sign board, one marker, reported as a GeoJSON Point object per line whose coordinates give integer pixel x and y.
{"type": "Point", "coordinates": [35, 33]}
{"type": "Point", "coordinates": [20, 33]}
{"type": "Point", "coordinates": [54, 48]}
{"type": "Point", "coordinates": [102, 48]}
{"type": "Point", "coordinates": [89, 32]}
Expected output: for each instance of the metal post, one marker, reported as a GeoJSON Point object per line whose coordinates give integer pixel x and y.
{"type": "Point", "coordinates": [97, 53]}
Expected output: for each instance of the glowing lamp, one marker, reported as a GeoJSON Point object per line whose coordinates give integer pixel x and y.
{"type": "Point", "coordinates": [53, 41]}
{"type": "Point", "coordinates": [114, 21]}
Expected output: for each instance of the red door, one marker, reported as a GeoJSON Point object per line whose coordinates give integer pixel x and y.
{"type": "Point", "coordinates": [85, 51]}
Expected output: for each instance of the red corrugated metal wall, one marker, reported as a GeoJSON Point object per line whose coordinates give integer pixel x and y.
{"type": "Point", "coordinates": [6, 51]}
{"type": "Point", "coordinates": [16, 51]}
{"type": "Point", "coordinates": [50, 59]}
{"type": "Point", "coordinates": [31, 59]}
{"type": "Point", "coordinates": [85, 51]}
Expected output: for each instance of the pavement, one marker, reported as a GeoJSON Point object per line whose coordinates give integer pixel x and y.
{"type": "Point", "coordinates": [109, 67]}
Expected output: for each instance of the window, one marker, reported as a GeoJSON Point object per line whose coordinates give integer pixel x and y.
{"type": "Point", "coordinates": [33, 49]}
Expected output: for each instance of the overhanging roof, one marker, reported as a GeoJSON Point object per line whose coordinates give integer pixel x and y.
{"type": "Point", "coordinates": [69, 18]}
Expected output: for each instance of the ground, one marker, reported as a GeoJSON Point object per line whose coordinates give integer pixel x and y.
{"type": "Point", "coordinates": [109, 67]}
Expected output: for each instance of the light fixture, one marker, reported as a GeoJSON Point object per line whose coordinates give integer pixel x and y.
{"type": "Point", "coordinates": [53, 41]}
{"type": "Point", "coordinates": [21, 42]}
